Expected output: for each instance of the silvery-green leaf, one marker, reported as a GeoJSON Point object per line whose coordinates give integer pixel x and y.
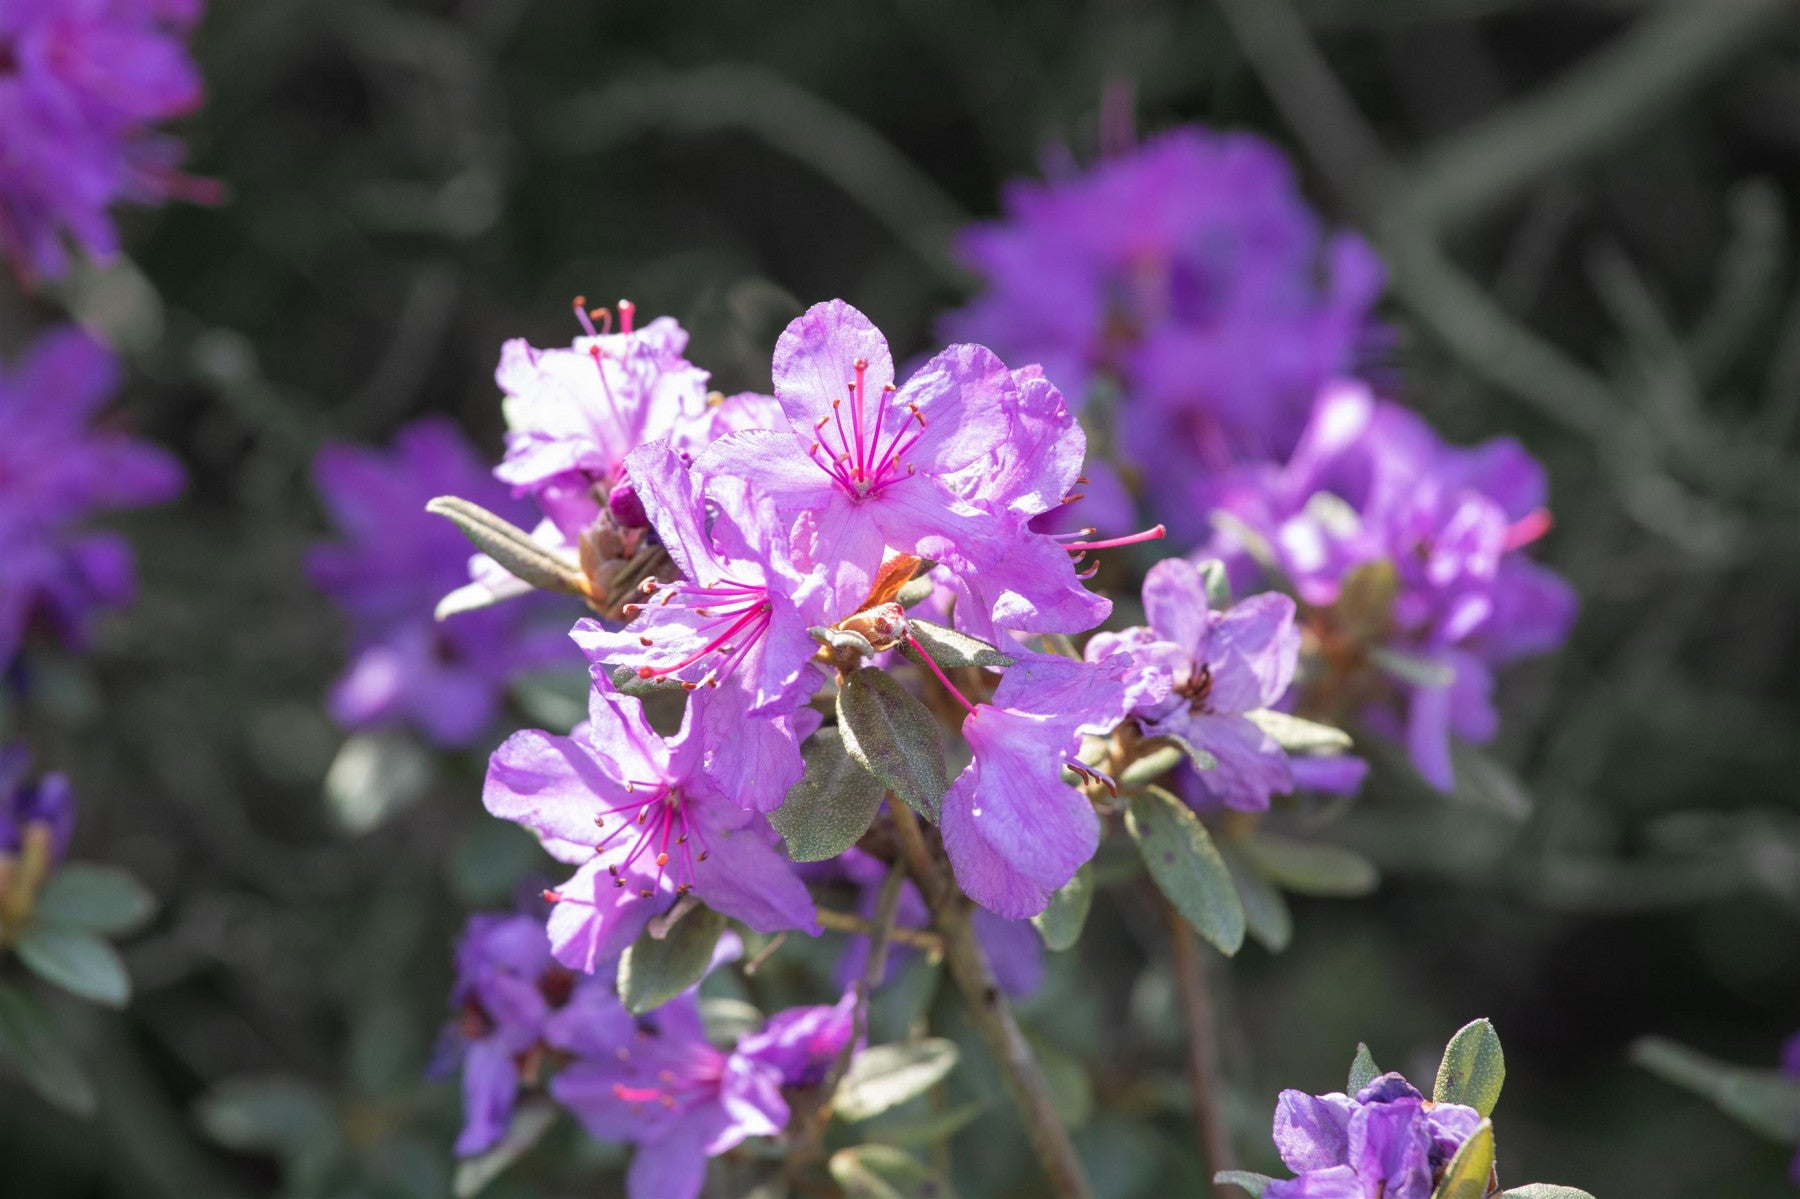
{"type": "Point", "coordinates": [1181, 857]}
{"type": "Point", "coordinates": [842, 639]}
{"type": "Point", "coordinates": [915, 590]}
{"type": "Point", "coordinates": [1543, 1190]}
{"type": "Point", "coordinates": [374, 776]}
{"type": "Point", "coordinates": [926, 1129]}
{"type": "Point", "coordinates": [1266, 914]}
{"type": "Point", "coordinates": [511, 546]}
{"type": "Point", "coordinates": [1484, 782]}
{"type": "Point", "coordinates": [832, 805]}
{"type": "Point", "coordinates": [1297, 736]}
{"type": "Point", "coordinates": [530, 1122]}
{"type": "Point", "coordinates": [75, 960]}
{"type": "Point", "coordinates": [1467, 1175]}
{"type": "Point", "coordinates": [884, 1076]}
{"type": "Point", "coordinates": [949, 648]}
{"type": "Point", "coordinates": [1412, 669]}
{"type": "Point", "coordinates": [100, 899]}
{"type": "Point", "coordinates": [1060, 923]}
{"type": "Point", "coordinates": [1218, 583]}
{"type": "Point", "coordinates": [886, 1172]}
{"type": "Point", "coordinates": [1765, 1100]}
{"type": "Point", "coordinates": [726, 1019]}
{"type": "Point", "coordinates": [32, 1044]}
{"type": "Point", "coordinates": [1473, 1068]}
{"type": "Point", "coordinates": [653, 971]}
{"type": "Point", "coordinates": [626, 681]}
{"type": "Point", "coordinates": [1254, 1184]}
{"type": "Point", "coordinates": [1311, 867]}
{"type": "Point", "coordinates": [893, 736]}
{"type": "Point", "coordinates": [1363, 1070]}
{"type": "Point", "coordinates": [1152, 765]}
{"type": "Point", "coordinates": [278, 1115]}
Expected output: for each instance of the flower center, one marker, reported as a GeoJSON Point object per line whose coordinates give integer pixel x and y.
{"type": "Point", "coordinates": [735, 616]}
{"type": "Point", "coordinates": [859, 462]}
{"type": "Point", "coordinates": [1198, 687]}
{"type": "Point", "coordinates": [660, 832]}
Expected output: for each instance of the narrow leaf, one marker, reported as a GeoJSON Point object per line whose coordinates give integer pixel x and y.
{"type": "Point", "coordinates": [949, 648]}
{"type": "Point", "coordinates": [99, 899]}
{"type": "Point", "coordinates": [1363, 1070]}
{"type": "Point", "coordinates": [279, 1115]}
{"type": "Point", "coordinates": [652, 972]}
{"type": "Point", "coordinates": [34, 1045]}
{"type": "Point", "coordinates": [832, 805]}
{"type": "Point", "coordinates": [1218, 584]}
{"type": "Point", "coordinates": [75, 960]}
{"type": "Point", "coordinates": [1298, 736]}
{"type": "Point", "coordinates": [1187, 867]}
{"type": "Point", "coordinates": [1412, 669]}
{"type": "Point", "coordinates": [926, 1129]}
{"type": "Point", "coordinates": [885, 1172]}
{"type": "Point", "coordinates": [1311, 867]}
{"type": "Point", "coordinates": [1467, 1175]}
{"type": "Point", "coordinates": [375, 776]}
{"type": "Point", "coordinates": [1243, 1179]}
{"type": "Point", "coordinates": [846, 640]}
{"type": "Point", "coordinates": [1060, 923]}
{"type": "Point", "coordinates": [511, 546]}
{"type": "Point", "coordinates": [893, 736]}
{"type": "Point", "coordinates": [1766, 1100]}
{"type": "Point", "coordinates": [1152, 765]}
{"type": "Point", "coordinates": [1200, 758]}
{"type": "Point", "coordinates": [1485, 783]}
{"type": "Point", "coordinates": [1473, 1068]}
{"type": "Point", "coordinates": [1544, 1190]}
{"type": "Point", "coordinates": [915, 590]}
{"type": "Point", "coordinates": [887, 1075]}
{"type": "Point", "coordinates": [726, 1019]}
{"type": "Point", "coordinates": [529, 1124]}
{"type": "Point", "coordinates": [1266, 914]}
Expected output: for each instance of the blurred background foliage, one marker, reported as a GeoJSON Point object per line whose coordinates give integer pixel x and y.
{"type": "Point", "coordinates": [1589, 208]}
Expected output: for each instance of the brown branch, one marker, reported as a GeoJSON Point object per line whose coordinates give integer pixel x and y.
{"type": "Point", "coordinates": [1210, 1130]}
{"type": "Point", "coordinates": [849, 922]}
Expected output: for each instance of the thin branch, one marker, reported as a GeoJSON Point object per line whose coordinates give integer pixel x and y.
{"type": "Point", "coordinates": [849, 922]}
{"type": "Point", "coordinates": [1210, 1130]}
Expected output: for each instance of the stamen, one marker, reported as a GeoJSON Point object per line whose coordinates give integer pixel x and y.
{"type": "Point", "coordinates": [552, 896]}
{"type": "Point", "coordinates": [581, 315]}
{"type": "Point", "coordinates": [1152, 534]}
{"type": "Point", "coordinates": [627, 313]}
{"type": "Point", "coordinates": [941, 676]}
{"type": "Point", "coordinates": [1527, 529]}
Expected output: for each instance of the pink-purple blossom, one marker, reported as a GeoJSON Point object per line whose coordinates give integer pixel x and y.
{"type": "Point", "coordinates": [43, 807]}
{"type": "Point", "coordinates": [60, 464]}
{"type": "Point", "coordinates": [83, 83]}
{"type": "Point", "coordinates": [1385, 1143]}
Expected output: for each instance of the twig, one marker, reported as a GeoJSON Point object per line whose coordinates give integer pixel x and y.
{"type": "Point", "coordinates": [1210, 1130]}
{"type": "Point", "coordinates": [850, 922]}
{"type": "Point", "coordinates": [990, 1013]}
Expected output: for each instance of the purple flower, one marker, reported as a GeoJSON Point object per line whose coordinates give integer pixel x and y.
{"type": "Point", "coordinates": [387, 573]}
{"type": "Point", "coordinates": [803, 1043]}
{"type": "Point", "coordinates": [1015, 832]}
{"type": "Point", "coordinates": [57, 469]}
{"type": "Point", "coordinates": [1183, 279]}
{"type": "Point", "coordinates": [1203, 670]}
{"type": "Point", "coordinates": [45, 807]}
{"type": "Point", "coordinates": [1790, 1066]}
{"type": "Point", "coordinates": [868, 468]}
{"type": "Point", "coordinates": [646, 823]}
{"type": "Point", "coordinates": [1371, 483]}
{"type": "Point", "coordinates": [737, 621]}
{"type": "Point", "coordinates": [1386, 1143]}
{"type": "Point", "coordinates": [82, 83]}
{"type": "Point", "coordinates": [574, 415]}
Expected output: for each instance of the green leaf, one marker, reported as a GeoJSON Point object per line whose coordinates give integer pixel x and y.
{"type": "Point", "coordinates": [1266, 914]}
{"type": "Point", "coordinates": [915, 590]}
{"type": "Point", "coordinates": [926, 1129]}
{"type": "Point", "coordinates": [511, 546]}
{"type": "Point", "coordinates": [375, 776]}
{"type": "Point", "coordinates": [278, 1115]}
{"type": "Point", "coordinates": [652, 972]}
{"type": "Point", "coordinates": [1060, 923]}
{"type": "Point", "coordinates": [1473, 1068]}
{"type": "Point", "coordinates": [885, 1075]}
{"type": "Point", "coordinates": [626, 681]}
{"type": "Point", "coordinates": [1071, 1090]}
{"type": "Point", "coordinates": [1485, 783]}
{"type": "Point", "coordinates": [1413, 670]}
{"type": "Point", "coordinates": [1543, 1190]}
{"type": "Point", "coordinates": [530, 1122]}
{"type": "Point", "coordinates": [1297, 736]}
{"type": "Point", "coordinates": [1187, 867]}
{"type": "Point", "coordinates": [1244, 1179]}
{"type": "Point", "coordinates": [1311, 867]}
{"type": "Point", "coordinates": [32, 1042]}
{"type": "Point", "coordinates": [99, 899]}
{"type": "Point", "coordinates": [832, 805]}
{"type": "Point", "coordinates": [1201, 759]}
{"type": "Point", "coordinates": [1152, 765]}
{"type": "Point", "coordinates": [1218, 584]}
{"type": "Point", "coordinates": [726, 1019]}
{"type": "Point", "coordinates": [1365, 603]}
{"type": "Point", "coordinates": [893, 736]}
{"type": "Point", "coordinates": [885, 1172]}
{"type": "Point", "coordinates": [75, 960]}
{"type": "Point", "coordinates": [1363, 1070]}
{"type": "Point", "coordinates": [949, 648]}
{"type": "Point", "coordinates": [1467, 1175]}
{"type": "Point", "coordinates": [844, 640]}
{"type": "Point", "coordinates": [1766, 1100]}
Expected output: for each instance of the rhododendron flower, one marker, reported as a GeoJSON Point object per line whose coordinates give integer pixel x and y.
{"type": "Point", "coordinates": [737, 620]}
{"type": "Point", "coordinates": [646, 824]}
{"type": "Point", "coordinates": [1015, 832]}
{"type": "Point", "coordinates": [394, 562]}
{"type": "Point", "coordinates": [1386, 1143]}
{"type": "Point", "coordinates": [803, 1043]}
{"type": "Point", "coordinates": [1210, 668]}
{"type": "Point", "coordinates": [871, 467]}
{"type": "Point", "coordinates": [1184, 276]}
{"type": "Point", "coordinates": [43, 807]}
{"type": "Point", "coordinates": [82, 83]}
{"type": "Point", "coordinates": [1370, 482]}
{"type": "Point", "coordinates": [57, 469]}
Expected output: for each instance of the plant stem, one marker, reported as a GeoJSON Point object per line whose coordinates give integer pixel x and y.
{"type": "Point", "coordinates": [850, 922]}
{"type": "Point", "coordinates": [1210, 1131]}
{"type": "Point", "coordinates": [992, 1016]}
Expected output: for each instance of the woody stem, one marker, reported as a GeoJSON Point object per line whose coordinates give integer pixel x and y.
{"type": "Point", "coordinates": [1213, 1137]}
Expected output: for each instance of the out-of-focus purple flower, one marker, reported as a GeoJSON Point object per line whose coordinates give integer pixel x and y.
{"type": "Point", "coordinates": [803, 1043]}
{"type": "Point", "coordinates": [1386, 1143]}
{"type": "Point", "coordinates": [82, 83]}
{"type": "Point", "coordinates": [1180, 281]}
{"type": "Point", "coordinates": [574, 415]}
{"type": "Point", "coordinates": [866, 468]}
{"type": "Point", "coordinates": [1203, 670]}
{"type": "Point", "coordinates": [58, 467]}
{"type": "Point", "coordinates": [1371, 483]}
{"type": "Point", "coordinates": [46, 805]}
{"type": "Point", "coordinates": [387, 572]}
{"type": "Point", "coordinates": [1014, 831]}
{"type": "Point", "coordinates": [646, 823]}
{"type": "Point", "coordinates": [737, 620]}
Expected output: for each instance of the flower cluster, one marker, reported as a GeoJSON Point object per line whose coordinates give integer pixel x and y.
{"type": "Point", "coordinates": [58, 467]}
{"type": "Point", "coordinates": [522, 1020]}
{"type": "Point", "coordinates": [1182, 279]}
{"type": "Point", "coordinates": [82, 85]}
{"type": "Point", "coordinates": [37, 818]}
{"type": "Point", "coordinates": [386, 573]}
{"type": "Point", "coordinates": [1407, 554]}
{"type": "Point", "coordinates": [1386, 1142]}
